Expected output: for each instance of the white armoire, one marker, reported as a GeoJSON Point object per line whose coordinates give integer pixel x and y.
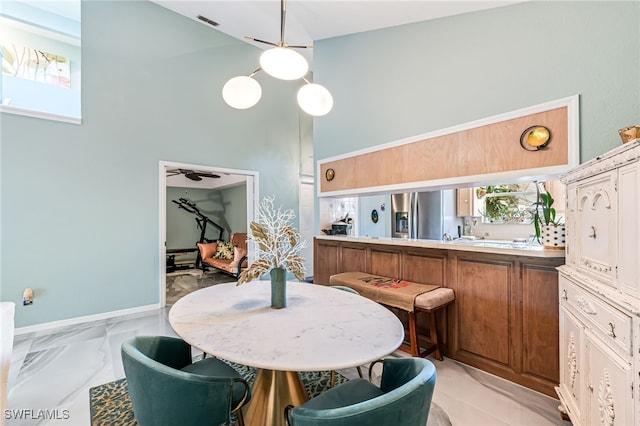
{"type": "Point", "coordinates": [600, 291]}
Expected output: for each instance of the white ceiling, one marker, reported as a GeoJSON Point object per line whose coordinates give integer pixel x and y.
{"type": "Point", "coordinates": [309, 20]}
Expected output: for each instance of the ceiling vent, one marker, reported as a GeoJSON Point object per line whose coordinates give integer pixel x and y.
{"type": "Point", "coordinates": [208, 21]}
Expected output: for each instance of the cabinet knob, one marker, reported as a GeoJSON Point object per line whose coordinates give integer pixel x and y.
{"type": "Point", "coordinates": [592, 232]}
{"type": "Point", "coordinates": [612, 333]}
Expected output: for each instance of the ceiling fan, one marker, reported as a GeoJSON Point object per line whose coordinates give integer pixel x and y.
{"type": "Point", "coordinates": [191, 174]}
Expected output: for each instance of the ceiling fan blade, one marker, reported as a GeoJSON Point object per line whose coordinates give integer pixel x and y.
{"type": "Point", "coordinates": [209, 175]}
{"type": "Point", "coordinates": [260, 41]}
{"type": "Point", "coordinates": [193, 176]}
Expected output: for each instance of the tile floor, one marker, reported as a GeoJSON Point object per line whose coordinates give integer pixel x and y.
{"type": "Point", "coordinates": [54, 370]}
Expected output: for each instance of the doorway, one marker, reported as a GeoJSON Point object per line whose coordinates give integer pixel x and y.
{"type": "Point", "coordinates": [200, 179]}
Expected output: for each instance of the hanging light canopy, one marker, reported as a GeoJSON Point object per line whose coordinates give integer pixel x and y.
{"type": "Point", "coordinates": [284, 63]}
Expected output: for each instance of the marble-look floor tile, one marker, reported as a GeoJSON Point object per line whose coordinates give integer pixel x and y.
{"type": "Point", "coordinates": [55, 369]}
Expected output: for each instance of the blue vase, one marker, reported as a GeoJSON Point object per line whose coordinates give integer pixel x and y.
{"type": "Point", "coordinates": [278, 288]}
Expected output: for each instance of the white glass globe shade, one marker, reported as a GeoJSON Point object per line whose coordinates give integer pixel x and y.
{"type": "Point", "coordinates": [284, 63]}
{"type": "Point", "coordinates": [315, 99]}
{"type": "Point", "coordinates": [241, 92]}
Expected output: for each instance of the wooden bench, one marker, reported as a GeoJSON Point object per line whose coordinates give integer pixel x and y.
{"type": "Point", "coordinates": [408, 296]}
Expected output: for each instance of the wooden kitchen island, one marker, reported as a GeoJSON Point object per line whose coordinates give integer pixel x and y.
{"type": "Point", "coordinates": [505, 316]}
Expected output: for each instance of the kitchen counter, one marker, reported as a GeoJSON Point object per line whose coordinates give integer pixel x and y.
{"type": "Point", "coordinates": [478, 246]}
{"type": "Point", "coordinates": [505, 316]}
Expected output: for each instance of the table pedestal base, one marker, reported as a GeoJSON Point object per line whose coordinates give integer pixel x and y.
{"type": "Point", "coordinates": [272, 391]}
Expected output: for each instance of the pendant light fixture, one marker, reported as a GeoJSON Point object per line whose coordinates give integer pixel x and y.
{"type": "Point", "coordinates": [284, 63]}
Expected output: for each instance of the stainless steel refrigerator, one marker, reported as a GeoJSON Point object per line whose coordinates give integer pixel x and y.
{"type": "Point", "coordinates": [425, 215]}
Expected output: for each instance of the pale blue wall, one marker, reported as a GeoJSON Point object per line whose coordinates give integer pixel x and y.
{"type": "Point", "coordinates": [404, 81]}
{"type": "Point", "coordinates": [366, 227]}
{"type": "Point", "coordinates": [80, 203]}
{"type": "Point", "coordinates": [235, 199]}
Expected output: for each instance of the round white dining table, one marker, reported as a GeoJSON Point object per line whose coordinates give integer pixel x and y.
{"type": "Point", "coordinates": [320, 329]}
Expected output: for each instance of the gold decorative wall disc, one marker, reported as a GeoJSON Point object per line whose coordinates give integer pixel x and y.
{"type": "Point", "coordinates": [329, 174]}
{"type": "Point", "coordinates": [535, 138]}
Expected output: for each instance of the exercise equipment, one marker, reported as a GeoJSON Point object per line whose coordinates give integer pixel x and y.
{"type": "Point", "coordinates": [202, 221]}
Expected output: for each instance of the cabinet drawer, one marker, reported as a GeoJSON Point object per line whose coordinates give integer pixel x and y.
{"type": "Point", "coordinates": [595, 226]}
{"type": "Point", "coordinates": [610, 324]}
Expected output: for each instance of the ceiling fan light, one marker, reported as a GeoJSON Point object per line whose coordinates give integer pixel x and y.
{"type": "Point", "coordinates": [314, 99]}
{"type": "Point", "coordinates": [284, 63]}
{"type": "Point", "coordinates": [241, 92]}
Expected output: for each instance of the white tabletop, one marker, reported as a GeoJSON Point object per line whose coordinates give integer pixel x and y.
{"type": "Point", "coordinates": [320, 329]}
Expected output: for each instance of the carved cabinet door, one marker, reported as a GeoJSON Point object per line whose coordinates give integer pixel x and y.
{"type": "Point", "coordinates": [609, 385]}
{"type": "Point", "coordinates": [572, 365]}
{"type": "Point", "coordinates": [596, 226]}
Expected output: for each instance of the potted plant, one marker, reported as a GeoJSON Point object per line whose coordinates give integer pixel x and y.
{"type": "Point", "coordinates": [550, 230]}
{"type": "Point", "coordinates": [279, 250]}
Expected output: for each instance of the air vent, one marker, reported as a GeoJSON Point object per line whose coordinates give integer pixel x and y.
{"type": "Point", "coordinates": [208, 21]}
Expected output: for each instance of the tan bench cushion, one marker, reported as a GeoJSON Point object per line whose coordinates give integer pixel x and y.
{"type": "Point", "coordinates": [388, 291]}
{"type": "Point", "coordinates": [435, 298]}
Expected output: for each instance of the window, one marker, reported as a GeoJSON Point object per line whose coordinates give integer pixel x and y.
{"type": "Point", "coordinates": [515, 203]}
{"type": "Point", "coordinates": [41, 61]}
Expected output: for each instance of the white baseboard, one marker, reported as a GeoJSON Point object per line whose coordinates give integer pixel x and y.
{"type": "Point", "coordinates": [88, 318]}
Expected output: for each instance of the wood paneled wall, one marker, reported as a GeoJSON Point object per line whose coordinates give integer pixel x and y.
{"type": "Point", "coordinates": [491, 148]}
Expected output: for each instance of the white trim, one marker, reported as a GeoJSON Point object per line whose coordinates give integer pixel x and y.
{"type": "Point", "coordinates": [252, 195]}
{"type": "Point", "coordinates": [89, 318]}
{"type": "Point", "coordinates": [41, 31]}
{"type": "Point", "coordinates": [573, 148]}
{"type": "Point", "coordinates": [39, 114]}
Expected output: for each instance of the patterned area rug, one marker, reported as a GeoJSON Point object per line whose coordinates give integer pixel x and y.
{"type": "Point", "coordinates": [110, 403]}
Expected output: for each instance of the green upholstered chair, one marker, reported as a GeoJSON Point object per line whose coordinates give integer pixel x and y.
{"type": "Point", "coordinates": [166, 388]}
{"type": "Point", "coordinates": [403, 398]}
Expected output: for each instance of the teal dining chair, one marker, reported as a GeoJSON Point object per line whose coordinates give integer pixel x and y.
{"type": "Point", "coordinates": [403, 398]}
{"type": "Point", "coordinates": [166, 388]}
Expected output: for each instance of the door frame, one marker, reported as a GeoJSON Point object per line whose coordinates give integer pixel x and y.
{"type": "Point", "coordinates": [307, 180]}
{"type": "Point", "coordinates": [253, 195]}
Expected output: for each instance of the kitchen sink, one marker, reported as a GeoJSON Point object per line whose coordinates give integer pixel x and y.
{"type": "Point", "coordinates": [492, 243]}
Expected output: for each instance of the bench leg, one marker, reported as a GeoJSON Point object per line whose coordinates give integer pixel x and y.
{"type": "Point", "coordinates": [433, 331]}
{"type": "Point", "coordinates": [413, 334]}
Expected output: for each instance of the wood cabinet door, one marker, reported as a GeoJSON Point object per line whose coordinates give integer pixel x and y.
{"type": "Point", "coordinates": [385, 262]}
{"type": "Point", "coordinates": [628, 272]}
{"type": "Point", "coordinates": [540, 322]}
{"type": "Point", "coordinates": [325, 260]}
{"type": "Point", "coordinates": [353, 258]}
{"type": "Point", "coordinates": [465, 202]}
{"type": "Point", "coordinates": [424, 268]}
{"type": "Point", "coordinates": [483, 310]}
{"type": "Point", "coordinates": [572, 365]}
{"type": "Point", "coordinates": [609, 386]}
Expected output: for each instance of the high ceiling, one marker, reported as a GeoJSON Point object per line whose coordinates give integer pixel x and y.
{"type": "Point", "coordinates": [309, 20]}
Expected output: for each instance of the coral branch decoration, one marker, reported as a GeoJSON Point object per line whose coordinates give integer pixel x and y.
{"type": "Point", "coordinates": [278, 242]}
